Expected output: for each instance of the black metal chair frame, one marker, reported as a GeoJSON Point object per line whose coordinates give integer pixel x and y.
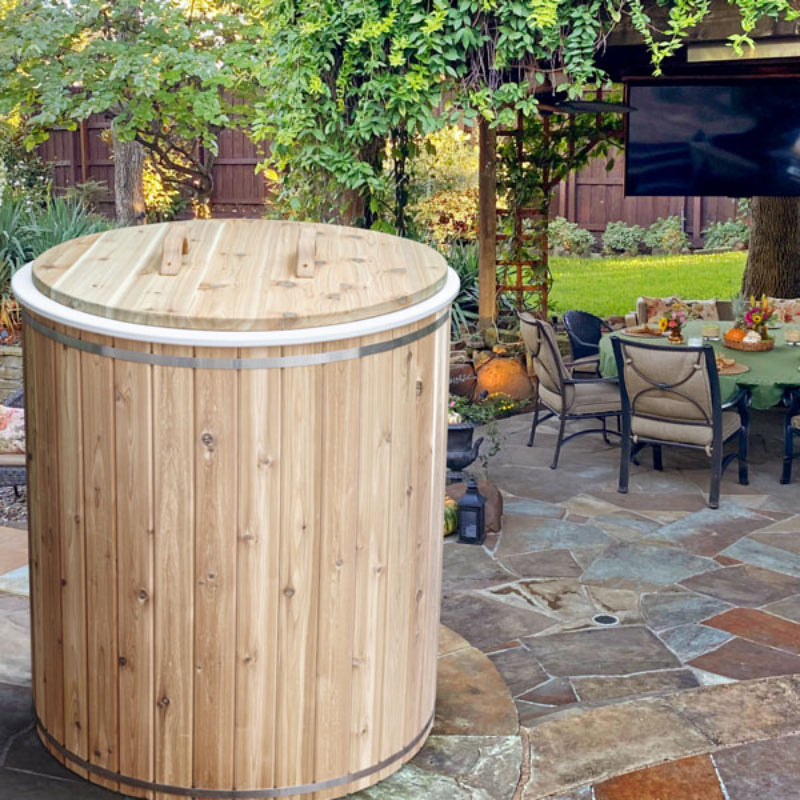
{"type": "Point", "coordinates": [584, 331]}
{"type": "Point", "coordinates": [791, 400]}
{"type": "Point", "coordinates": [564, 418]}
{"type": "Point", "coordinates": [719, 461]}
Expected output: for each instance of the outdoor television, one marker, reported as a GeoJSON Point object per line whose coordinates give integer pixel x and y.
{"type": "Point", "coordinates": [732, 137]}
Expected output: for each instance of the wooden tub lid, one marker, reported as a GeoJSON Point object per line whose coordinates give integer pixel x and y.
{"type": "Point", "coordinates": [239, 275]}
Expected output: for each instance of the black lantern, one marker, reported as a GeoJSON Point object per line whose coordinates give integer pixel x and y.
{"type": "Point", "coordinates": [472, 515]}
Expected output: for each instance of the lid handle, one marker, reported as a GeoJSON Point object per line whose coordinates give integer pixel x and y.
{"type": "Point", "coordinates": [306, 253]}
{"type": "Point", "coordinates": [176, 245]}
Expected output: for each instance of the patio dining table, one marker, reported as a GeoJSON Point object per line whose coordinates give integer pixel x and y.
{"type": "Point", "coordinates": [769, 373]}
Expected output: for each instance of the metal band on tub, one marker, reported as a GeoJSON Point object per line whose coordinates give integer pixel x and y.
{"type": "Point", "coordinates": [233, 794]}
{"type": "Point", "coordinates": [194, 362]}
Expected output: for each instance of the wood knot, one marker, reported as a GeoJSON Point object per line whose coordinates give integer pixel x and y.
{"type": "Point", "coordinates": [419, 388]}
{"type": "Point", "coordinates": [163, 702]}
{"type": "Point", "coordinates": [143, 594]}
{"type": "Point", "coordinates": [289, 591]}
{"type": "Point", "coordinates": [123, 661]}
{"type": "Point", "coordinates": [208, 441]}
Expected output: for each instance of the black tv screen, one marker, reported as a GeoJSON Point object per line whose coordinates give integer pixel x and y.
{"type": "Point", "coordinates": [735, 138]}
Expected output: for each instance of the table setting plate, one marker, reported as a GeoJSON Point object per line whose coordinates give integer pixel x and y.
{"type": "Point", "coordinates": [734, 369]}
{"type": "Point", "coordinates": [654, 334]}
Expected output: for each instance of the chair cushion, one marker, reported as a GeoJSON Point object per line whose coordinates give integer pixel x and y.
{"type": "Point", "coordinates": [651, 309]}
{"type": "Point", "coordinates": [703, 309]}
{"type": "Point", "coordinates": [593, 397]}
{"type": "Point", "coordinates": [788, 309]}
{"type": "Point", "coordinates": [12, 430]}
{"type": "Point", "coordinates": [699, 435]}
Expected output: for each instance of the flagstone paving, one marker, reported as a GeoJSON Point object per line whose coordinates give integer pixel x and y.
{"type": "Point", "coordinates": [689, 691]}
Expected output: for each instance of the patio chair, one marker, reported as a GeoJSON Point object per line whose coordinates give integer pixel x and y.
{"type": "Point", "coordinates": [563, 395]}
{"type": "Point", "coordinates": [12, 465]}
{"type": "Point", "coordinates": [671, 396]}
{"type": "Point", "coordinates": [584, 331]}
{"type": "Point", "coordinates": [791, 433]}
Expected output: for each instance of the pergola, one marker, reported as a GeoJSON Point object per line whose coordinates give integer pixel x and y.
{"type": "Point", "coordinates": [707, 53]}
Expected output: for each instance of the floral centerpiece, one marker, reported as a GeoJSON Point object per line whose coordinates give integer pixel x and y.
{"type": "Point", "coordinates": [750, 331]}
{"type": "Point", "coordinates": [673, 321]}
{"type": "Point", "coordinates": [758, 315]}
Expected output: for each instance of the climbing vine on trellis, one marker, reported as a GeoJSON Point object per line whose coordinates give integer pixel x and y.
{"type": "Point", "coordinates": [533, 158]}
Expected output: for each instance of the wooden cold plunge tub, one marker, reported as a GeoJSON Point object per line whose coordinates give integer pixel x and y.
{"type": "Point", "coordinates": [236, 435]}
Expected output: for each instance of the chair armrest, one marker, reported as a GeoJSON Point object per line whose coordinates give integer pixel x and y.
{"type": "Point", "coordinates": [584, 364]}
{"type": "Point", "coordinates": [740, 401]}
{"type": "Point", "coordinates": [579, 381]}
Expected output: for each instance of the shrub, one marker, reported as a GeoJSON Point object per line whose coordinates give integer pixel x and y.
{"type": "Point", "coordinates": [622, 239]}
{"type": "Point", "coordinates": [14, 250]}
{"type": "Point", "coordinates": [449, 216]}
{"type": "Point", "coordinates": [567, 238]}
{"type": "Point", "coordinates": [732, 234]}
{"type": "Point", "coordinates": [666, 236]}
{"type": "Point", "coordinates": [445, 160]}
{"type": "Point", "coordinates": [22, 173]}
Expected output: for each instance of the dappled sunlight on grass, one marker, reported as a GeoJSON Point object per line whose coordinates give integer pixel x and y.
{"type": "Point", "coordinates": [606, 286]}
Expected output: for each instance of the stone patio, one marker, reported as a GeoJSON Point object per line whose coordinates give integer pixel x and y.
{"type": "Point", "coordinates": [689, 694]}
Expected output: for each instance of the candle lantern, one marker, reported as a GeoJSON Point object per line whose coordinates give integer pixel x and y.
{"type": "Point", "coordinates": [472, 515]}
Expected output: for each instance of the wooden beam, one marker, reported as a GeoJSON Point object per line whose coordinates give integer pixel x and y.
{"type": "Point", "coordinates": [84, 143]}
{"type": "Point", "coordinates": [487, 226]}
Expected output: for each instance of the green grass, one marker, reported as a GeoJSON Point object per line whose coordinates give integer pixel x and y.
{"type": "Point", "coordinates": [606, 286]}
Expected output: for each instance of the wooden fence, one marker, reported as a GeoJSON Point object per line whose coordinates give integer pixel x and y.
{"type": "Point", "coordinates": [591, 197]}
{"type": "Point", "coordinates": [83, 154]}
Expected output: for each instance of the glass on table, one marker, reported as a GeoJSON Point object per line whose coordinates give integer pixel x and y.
{"type": "Point", "coordinates": [711, 331]}
{"type": "Point", "coordinates": [791, 334]}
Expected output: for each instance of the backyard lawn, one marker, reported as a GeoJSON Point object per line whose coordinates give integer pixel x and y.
{"type": "Point", "coordinates": [606, 286]}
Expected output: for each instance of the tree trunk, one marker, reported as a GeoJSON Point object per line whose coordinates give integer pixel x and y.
{"type": "Point", "coordinates": [773, 260]}
{"type": "Point", "coordinates": [128, 184]}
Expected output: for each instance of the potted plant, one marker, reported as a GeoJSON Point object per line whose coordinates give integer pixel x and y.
{"type": "Point", "coordinates": [463, 416]}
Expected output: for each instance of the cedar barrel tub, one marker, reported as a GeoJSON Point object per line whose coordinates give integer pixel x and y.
{"type": "Point", "coordinates": [236, 434]}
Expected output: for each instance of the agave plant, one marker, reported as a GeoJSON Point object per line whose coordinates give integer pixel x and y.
{"type": "Point", "coordinates": [463, 258]}
{"type": "Point", "coordinates": [59, 221]}
{"type": "Point", "coordinates": [14, 251]}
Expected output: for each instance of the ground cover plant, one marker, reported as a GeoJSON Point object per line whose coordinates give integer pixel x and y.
{"type": "Point", "coordinates": [610, 286]}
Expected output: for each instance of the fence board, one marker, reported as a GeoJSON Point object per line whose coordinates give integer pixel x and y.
{"type": "Point", "coordinates": [592, 197]}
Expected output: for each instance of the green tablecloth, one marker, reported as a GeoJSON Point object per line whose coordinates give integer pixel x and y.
{"type": "Point", "coordinates": [770, 372]}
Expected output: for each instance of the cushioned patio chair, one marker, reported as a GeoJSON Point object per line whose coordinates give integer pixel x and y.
{"type": "Point", "coordinates": [671, 396]}
{"type": "Point", "coordinates": [584, 331]}
{"type": "Point", "coordinates": [12, 465]}
{"type": "Point", "coordinates": [563, 395]}
{"type": "Point", "coordinates": [791, 433]}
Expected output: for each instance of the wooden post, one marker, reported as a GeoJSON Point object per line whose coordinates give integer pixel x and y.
{"type": "Point", "coordinates": [697, 221]}
{"type": "Point", "coordinates": [487, 226]}
{"type": "Point", "coordinates": [84, 143]}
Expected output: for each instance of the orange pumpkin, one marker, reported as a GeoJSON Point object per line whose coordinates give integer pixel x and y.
{"type": "Point", "coordinates": [735, 335]}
